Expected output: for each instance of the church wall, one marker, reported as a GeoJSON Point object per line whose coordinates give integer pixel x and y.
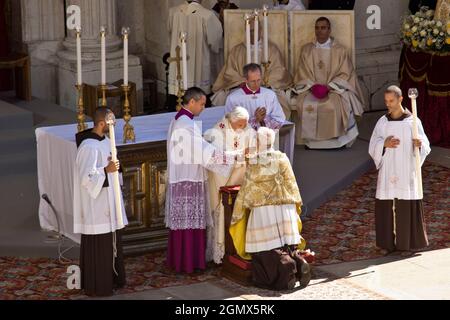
{"type": "Point", "coordinates": [378, 51]}
{"type": "Point", "coordinates": [15, 27]}
{"type": "Point", "coordinates": [41, 30]}
{"type": "Point", "coordinates": [156, 42]}
{"type": "Point", "coordinates": [38, 27]}
{"type": "Point", "coordinates": [131, 14]}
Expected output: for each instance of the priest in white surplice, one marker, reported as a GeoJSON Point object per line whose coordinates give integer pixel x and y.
{"type": "Point", "coordinates": [94, 211]}
{"type": "Point", "coordinates": [204, 43]}
{"type": "Point", "coordinates": [231, 134]}
{"type": "Point", "coordinates": [188, 212]}
{"type": "Point", "coordinates": [329, 95]}
{"type": "Point", "coordinates": [399, 216]}
{"type": "Point", "coordinates": [261, 103]}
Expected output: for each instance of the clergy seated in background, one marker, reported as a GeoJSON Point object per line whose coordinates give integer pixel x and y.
{"type": "Point", "coordinates": [267, 209]}
{"type": "Point", "coordinates": [231, 134]}
{"type": "Point", "coordinates": [231, 76]}
{"type": "Point", "coordinates": [329, 96]}
{"type": "Point", "coordinates": [189, 157]}
{"type": "Point", "coordinates": [261, 103]}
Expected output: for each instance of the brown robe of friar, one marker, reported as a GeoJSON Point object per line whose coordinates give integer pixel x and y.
{"type": "Point", "coordinates": [400, 224]}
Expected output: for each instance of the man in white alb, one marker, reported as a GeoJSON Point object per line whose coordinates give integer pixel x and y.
{"type": "Point", "coordinates": [261, 103]}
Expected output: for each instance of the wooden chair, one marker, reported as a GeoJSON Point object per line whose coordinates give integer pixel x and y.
{"type": "Point", "coordinates": [303, 31]}
{"type": "Point", "coordinates": [20, 63]}
{"type": "Point", "coordinates": [233, 268]}
{"type": "Point", "coordinates": [234, 27]}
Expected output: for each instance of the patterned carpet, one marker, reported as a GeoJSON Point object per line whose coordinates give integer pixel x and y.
{"type": "Point", "coordinates": [343, 229]}
{"type": "Point", "coordinates": [340, 230]}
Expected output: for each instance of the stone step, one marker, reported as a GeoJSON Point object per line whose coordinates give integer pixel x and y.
{"type": "Point", "coordinates": [13, 117]}
{"type": "Point", "coordinates": [319, 177]}
{"type": "Point", "coordinates": [17, 141]}
{"type": "Point", "coordinates": [17, 163]}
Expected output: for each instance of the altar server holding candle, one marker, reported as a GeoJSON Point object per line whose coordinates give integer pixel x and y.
{"type": "Point", "coordinates": [94, 211]}
{"type": "Point", "coordinates": [399, 215]}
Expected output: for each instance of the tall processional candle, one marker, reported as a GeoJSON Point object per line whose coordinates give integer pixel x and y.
{"type": "Point", "coordinates": [266, 33]}
{"type": "Point", "coordinates": [256, 37]}
{"type": "Point", "coordinates": [110, 121]}
{"type": "Point", "coordinates": [413, 93]}
{"type": "Point", "coordinates": [103, 54]}
{"type": "Point", "coordinates": [183, 36]}
{"type": "Point", "coordinates": [125, 33]}
{"type": "Point", "coordinates": [247, 38]}
{"type": "Point", "coordinates": [78, 37]}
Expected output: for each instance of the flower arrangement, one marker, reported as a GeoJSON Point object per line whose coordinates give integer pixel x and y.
{"type": "Point", "coordinates": [422, 33]}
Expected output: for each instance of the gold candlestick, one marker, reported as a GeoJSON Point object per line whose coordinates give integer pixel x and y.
{"type": "Point", "coordinates": [80, 108]}
{"type": "Point", "coordinates": [266, 66]}
{"type": "Point", "coordinates": [103, 88]}
{"type": "Point", "coordinates": [128, 129]}
{"type": "Point", "coordinates": [180, 97]}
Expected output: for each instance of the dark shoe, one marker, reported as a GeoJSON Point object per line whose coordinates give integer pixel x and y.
{"type": "Point", "coordinates": [303, 269]}
{"type": "Point", "coordinates": [387, 252]}
{"type": "Point", "coordinates": [406, 254]}
{"type": "Point", "coordinates": [305, 274]}
{"type": "Point", "coordinates": [291, 284]}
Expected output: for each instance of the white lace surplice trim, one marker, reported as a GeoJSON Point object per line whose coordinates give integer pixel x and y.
{"type": "Point", "coordinates": [187, 206]}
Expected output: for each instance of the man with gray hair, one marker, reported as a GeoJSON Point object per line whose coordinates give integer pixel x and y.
{"type": "Point", "coordinates": [262, 104]}
{"type": "Point", "coordinates": [231, 135]}
{"type": "Point", "coordinates": [399, 216]}
{"type": "Point", "coordinates": [266, 214]}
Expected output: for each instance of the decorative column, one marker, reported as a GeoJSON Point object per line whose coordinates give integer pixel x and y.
{"type": "Point", "coordinates": [38, 29]}
{"type": "Point", "coordinates": [94, 14]}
